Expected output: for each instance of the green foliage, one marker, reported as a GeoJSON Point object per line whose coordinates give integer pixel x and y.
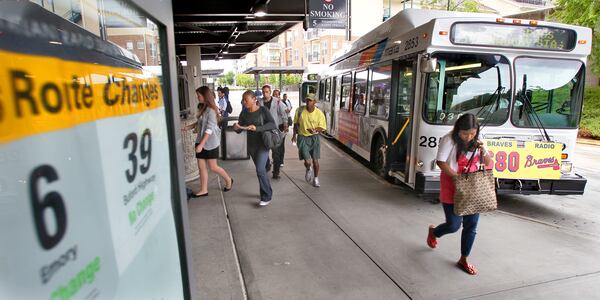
{"type": "Point", "coordinates": [470, 6]}
{"type": "Point", "coordinates": [583, 13]}
{"type": "Point", "coordinates": [247, 80]}
{"type": "Point", "coordinates": [244, 80]}
{"type": "Point", "coordinates": [590, 120]}
{"type": "Point", "coordinates": [227, 79]}
{"type": "Point", "coordinates": [452, 5]}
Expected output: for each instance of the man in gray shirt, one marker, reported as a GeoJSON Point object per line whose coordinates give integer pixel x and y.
{"type": "Point", "coordinates": [277, 110]}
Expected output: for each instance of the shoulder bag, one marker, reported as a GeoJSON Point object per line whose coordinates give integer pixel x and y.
{"type": "Point", "coordinates": [475, 191]}
{"type": "Point", "coordinates": [272, 138]}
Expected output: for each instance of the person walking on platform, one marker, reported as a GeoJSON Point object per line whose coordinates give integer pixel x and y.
{"type": "Point", "coordinates": [309, 121]}
{"type": "Point", "coordinates": [453, 155]}
{"type": "Point", "coordinates": [208, 140]}
{"type": "Point", "coordinates": [257, 119]}
{"type": "Point", "coordinates": [277, 110]}
{"type": "Point", "coordinates": [222, 102]}
{"type": "Point", "coordinates": [288, 111]}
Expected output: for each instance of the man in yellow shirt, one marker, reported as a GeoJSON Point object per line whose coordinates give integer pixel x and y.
{"type": "Point", "coordinates": [309, 121]}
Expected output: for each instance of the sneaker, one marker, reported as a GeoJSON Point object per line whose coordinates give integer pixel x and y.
{"type": "Point", "coordinates": [309, 174]}
{"type": "Point", "coordinates": [264, 203]}
{"type": "Point", "coordinates": [316, 182]}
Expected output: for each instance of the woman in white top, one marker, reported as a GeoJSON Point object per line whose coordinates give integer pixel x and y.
{"type": "Point", "coordinates": [208, 140]}
{"type": "Point", "coordinates": [454, 152]}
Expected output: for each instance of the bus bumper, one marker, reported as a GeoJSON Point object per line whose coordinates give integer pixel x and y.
{"type": "Point", "coordinates": [575, 185]}
{"type": "Point", "coordinates": [425, 184]}
{"type": "Point", "coordinates": [564, 186]}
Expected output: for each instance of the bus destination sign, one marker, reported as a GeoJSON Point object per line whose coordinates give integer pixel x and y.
{"type": "Point", "coordinates": [513, 36]}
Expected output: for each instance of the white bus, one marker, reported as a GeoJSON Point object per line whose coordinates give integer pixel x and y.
{"type": "Point", "coordinates": [400, 88]}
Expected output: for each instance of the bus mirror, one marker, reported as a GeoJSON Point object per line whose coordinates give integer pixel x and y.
{"type": "Point", "coordinates": [428, 64]}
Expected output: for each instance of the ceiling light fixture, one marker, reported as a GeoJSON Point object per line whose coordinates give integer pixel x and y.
{"type": "Point", "coordinates": [260, 10]}
{"type": "Point", "coordinates": [226, 50]}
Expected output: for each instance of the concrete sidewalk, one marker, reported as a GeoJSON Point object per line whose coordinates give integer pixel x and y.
{"type": "Point", "coordinates": [359, 237]}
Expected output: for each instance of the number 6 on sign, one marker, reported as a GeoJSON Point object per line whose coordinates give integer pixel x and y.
{"type": "Point", "coordinates": [53, 201]}
{"type": "Point", "coordinates": [145, 153]}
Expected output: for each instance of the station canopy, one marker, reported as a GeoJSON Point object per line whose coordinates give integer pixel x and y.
{"type": "Point", "coordinates": [274, 70]}
{"type": "Point", "coordinates": [230, 28]}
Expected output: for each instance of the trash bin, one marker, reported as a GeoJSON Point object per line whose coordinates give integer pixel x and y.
{"type": "Point", "coordinates": [234, 145]}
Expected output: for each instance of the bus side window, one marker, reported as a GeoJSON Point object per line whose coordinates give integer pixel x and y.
{"type": "Point", "coordinates": [335, 91]}
{"type": "Point", "coordinates": [321, 90]}
{"type": "Point", "coordinates": [380, 87]}
{"type": "Point", "coordinates": [345, 94]}
{"type": "Point", "coordinates": [327, 95]}
{"type": "Point", "coordinates": [360, 92]}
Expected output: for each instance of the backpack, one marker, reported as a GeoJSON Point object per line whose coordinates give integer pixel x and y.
{"type": "Point", "coordinates": [229, 109]}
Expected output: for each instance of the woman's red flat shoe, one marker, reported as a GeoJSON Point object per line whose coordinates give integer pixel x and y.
{"type": "Point", "coordinates": [431, 239]}
{"type": "Point", "coordinates": [467, 267]}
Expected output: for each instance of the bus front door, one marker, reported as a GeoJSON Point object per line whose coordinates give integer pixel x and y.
{"type": "Point", "coordinates": [400, 123]}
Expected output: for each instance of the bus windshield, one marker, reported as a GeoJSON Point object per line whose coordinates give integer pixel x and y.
{"type": "Point", "coordinates": [468, 83]}
{"type": "Point", "coordinates": [548, 91]}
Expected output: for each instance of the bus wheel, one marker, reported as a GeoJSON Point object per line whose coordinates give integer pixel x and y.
{"type": "Point", "coordinates": [378, 158]}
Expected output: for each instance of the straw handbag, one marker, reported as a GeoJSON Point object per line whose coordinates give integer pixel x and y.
{"type": "Point", "coordinates": [475, 191]}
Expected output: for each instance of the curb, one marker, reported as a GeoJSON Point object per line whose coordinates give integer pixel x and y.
{"type": "Point", "coordinates": [588, 142]}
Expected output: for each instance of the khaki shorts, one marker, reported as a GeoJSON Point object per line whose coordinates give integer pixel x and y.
{"type": "Point", "coordinates": [309, 147]}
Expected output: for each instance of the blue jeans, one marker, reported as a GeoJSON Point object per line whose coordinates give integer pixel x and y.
{"type": "Point", "coordinates": [453, 225]}
{"type": "Point", "coordinates": [259, 157]}
{"type": "Point", "coordinates": [278, 157]}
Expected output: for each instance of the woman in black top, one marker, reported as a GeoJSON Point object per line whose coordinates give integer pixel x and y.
{"type": "Point", "coordinates": [256, 119]}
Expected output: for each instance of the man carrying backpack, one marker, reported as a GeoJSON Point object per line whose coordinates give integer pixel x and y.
{"type": "Point", "coordinates": [277, 110]}
{"type": "Point", "coordinates": [309, 121]}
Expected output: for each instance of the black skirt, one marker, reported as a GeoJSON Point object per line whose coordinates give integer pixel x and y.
{"type": "Point", "coordinates": [208, 154]}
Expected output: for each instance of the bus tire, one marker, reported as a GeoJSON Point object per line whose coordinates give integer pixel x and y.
{"type": "Point", "coordinates": [378, 157]}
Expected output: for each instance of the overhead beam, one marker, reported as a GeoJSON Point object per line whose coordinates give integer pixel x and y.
{"type": "Point", "coordinates": [269, 18]}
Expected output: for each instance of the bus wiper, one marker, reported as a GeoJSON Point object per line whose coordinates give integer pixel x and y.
{"type": "Point", "coordinates": [529, 106]}
{"type": "Point", "coordinates": [495, 97]}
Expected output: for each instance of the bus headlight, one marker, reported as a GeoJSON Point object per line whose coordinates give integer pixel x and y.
{"type": "Point", "coordinates": [566, 167]}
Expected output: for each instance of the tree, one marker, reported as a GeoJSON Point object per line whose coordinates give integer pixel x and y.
{"type": "Point", "coordinates": [292, 79]}
{"type": "Point", "coordinates": [244, 80]}
{"type": "Point", "coordinates": [583, 13]}
{"type": "Point", "coordinates": [229, 77]}
{"type": "Point", "coordinates": [452, 5]}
